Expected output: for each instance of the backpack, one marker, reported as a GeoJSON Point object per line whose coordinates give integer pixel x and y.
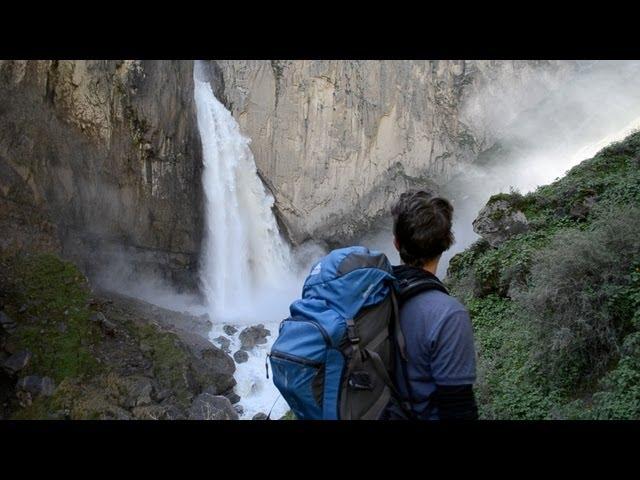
{"type": "Point", "coordinates": [334, 356]}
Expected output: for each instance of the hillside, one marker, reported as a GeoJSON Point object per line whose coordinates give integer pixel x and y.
{"type": "Point", "coordinates": [553, 288]}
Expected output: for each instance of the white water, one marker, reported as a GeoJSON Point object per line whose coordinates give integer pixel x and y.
{"type": "Point", "coordinates": [247, 269]}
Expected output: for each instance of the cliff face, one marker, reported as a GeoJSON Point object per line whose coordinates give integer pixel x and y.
{"type": "Point", "coordinates": [102, 159]}
{"type": "Point", "coordinates": [108, 153]}
{"type": "Point", "coordinates": [336, 140]}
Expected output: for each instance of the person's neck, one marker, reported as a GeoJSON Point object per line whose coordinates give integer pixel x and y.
{"type": "Point", "coordinates": [431, 266]}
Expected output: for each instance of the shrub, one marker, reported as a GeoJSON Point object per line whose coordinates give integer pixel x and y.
{"type": "Point", "coordinates": [574, 297]}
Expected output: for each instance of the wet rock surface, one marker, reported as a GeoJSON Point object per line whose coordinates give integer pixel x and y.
{"type": "Point", "coordinates": [230, 330]}
{"type": "Point", "coordinates": [252, 336]}
{"type": "Point", "coordinates": [241, 356]}
{"type": "Point", "coordinates": [224, 343]}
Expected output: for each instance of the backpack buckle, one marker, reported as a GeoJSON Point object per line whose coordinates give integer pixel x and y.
{"type": "Point", "coordinates": [351, 332]}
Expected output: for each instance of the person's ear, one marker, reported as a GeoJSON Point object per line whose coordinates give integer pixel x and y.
{"type": "Point", "coordinates": [396, 243]}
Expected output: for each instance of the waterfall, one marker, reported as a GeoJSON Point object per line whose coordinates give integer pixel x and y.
{"type": "Point", "coordinates": [245, 265]}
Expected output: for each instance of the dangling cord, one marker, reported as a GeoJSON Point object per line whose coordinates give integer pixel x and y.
{"type": "Point", "coordinates": [274, 404]}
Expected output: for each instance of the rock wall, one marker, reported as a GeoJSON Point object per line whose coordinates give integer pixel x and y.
{"type": "Point", "coordinates": [335, 141]}
{"type": "Point", "coordinates": [110, 152]}
{"type": "Point", "coordinates": [102, 159]}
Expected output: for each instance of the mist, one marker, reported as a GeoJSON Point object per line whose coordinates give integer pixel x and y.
{"type": "Point", "coordinates": [598, 105]}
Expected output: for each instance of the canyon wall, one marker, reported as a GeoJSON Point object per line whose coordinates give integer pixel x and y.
{"type": "Point", "coordinates": [336, 141]}
{"type": "Point", "coordinates": [101, 160]}
{"type": "Point", "coordinates": [108, 154]}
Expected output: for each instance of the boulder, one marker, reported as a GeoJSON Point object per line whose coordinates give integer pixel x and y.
{"type": "Point", "coordinates": [498, 221]}
{"type": "Point", "coordinates": [241, 356]}
{"type": "Point", "coordinates": [36, 385]}
{"type": "Point", "coordinates": [224, 343]}
{"type": "Point", "coordinates": [229, 330]}
{"type": "Point", "coordinates": [16, 362]}
{"type": "Point", "coordinates": [252, 336]}
{"type": "Point", "coordinates": [218, 369]}
{"type": "Point", "coordinates": [212, 407]}
{"type": "Point", "coordinates": [260, 416]}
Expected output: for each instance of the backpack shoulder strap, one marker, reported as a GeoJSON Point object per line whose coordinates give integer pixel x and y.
{"type": "Point", "coordinates": [408, 288]}
{"type": "Point", "coordinates": [401, 344]}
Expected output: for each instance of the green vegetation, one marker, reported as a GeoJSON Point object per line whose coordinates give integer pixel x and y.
{"type": "Point", "coordinates": [50, 301]}
{"type": "Point", "coordinates": [169, 358]}
{"type": "Point", "coordinates": [49, 298]}
{"type": "Point", "coordinates": [556, 310]}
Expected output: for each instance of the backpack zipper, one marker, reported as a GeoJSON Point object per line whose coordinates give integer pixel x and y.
{"type": "Point", "coordinates": [295, 359]}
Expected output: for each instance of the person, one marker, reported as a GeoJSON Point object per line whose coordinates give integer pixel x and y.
{"type": "Point", "coordinates": [436, 380]}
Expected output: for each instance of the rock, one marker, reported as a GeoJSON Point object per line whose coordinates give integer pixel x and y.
{"type": "Point", "coordinates": [224, 343]}
{"type": "Point", "coordinates": [239, 408]}
{"type": "Point", "coordinates": [36, 385]}
{"type": "Point", "coordinates": [173, 413]}
{"type": "Point", "coordinates": [498, 221]}
{"type": "Point", "coordinates": [212, 407]}
{"type": "Point", "coordinates": [229, 330]}
{"type": "Point", "coordinates": [6, 322]}
{"type": "Point", "coordinates": [252, 336]}
{"type": "Point", "coordinates": [219, 368]}
{"type": "Point", "coordinates": [241, 356]}
{"type": "Point", "coordinates": [16, 362]}
{"type": "Point", "coordinates": [107, 326]}
{"type": "Point", "coordinates": [139, 392]}
{"type": "Point", "coordinates": [233, 397]}
{"type": "Point", "coordinates": [162, 394]}
{"type": "Point", "coordinates": [260, 416]}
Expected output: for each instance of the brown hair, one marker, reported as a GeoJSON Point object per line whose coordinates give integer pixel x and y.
{"type": "Point", "coordinates": [422, 226]}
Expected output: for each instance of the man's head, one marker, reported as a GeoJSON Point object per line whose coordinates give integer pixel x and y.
{"type": "Point", "coordinates": [421, 227]}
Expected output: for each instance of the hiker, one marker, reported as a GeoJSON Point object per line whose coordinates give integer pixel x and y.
{"type": "Point", "coordinates": [440, 366]}
{"type": "Point", "coordinates": [360, 324]}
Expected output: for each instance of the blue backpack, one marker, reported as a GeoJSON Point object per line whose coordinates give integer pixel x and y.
{"type": "Point", "coordinates": [334, 356]}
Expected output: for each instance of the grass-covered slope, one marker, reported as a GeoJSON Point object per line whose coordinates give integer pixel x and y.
{"type": "Point", "coordinates": [105, 358]}
{"type": "Point", "coordinates": [556, 310]}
